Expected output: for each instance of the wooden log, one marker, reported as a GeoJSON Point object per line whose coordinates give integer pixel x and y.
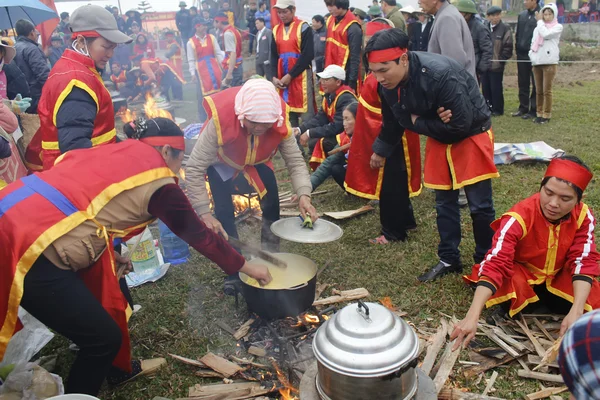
{"type": "Point", "coordinates": [320, 289]}
{"type": "Point", "coordinates": [284, 194]}
{"type": "Point", "coordinates": [487, 365]}
{"type": "Point", "coordinates": [551, 354]}
{"type": "Point", "coordinates": [492, 336]}
{"type": "Point", "coordinates": [540, 376]}
{"type": "Point", "coordinates": [243, 361]}
{"type": "Point", "coordinates": [519, 346]}
{"type": "Point", "coordinates": [457, 394]}
{"type": "Point", "coordinates": [257, 351]}
{"type": "Point", "coordinates": [237, 394]}
{"type": "Point", "coordinates": [221, 365]}
{"type": "Point", "coordinates": [208, 373]}
{"type": "Point", "coordinates": [188, 361]}
{"type": "Point", "coordinates": [204, 390]}
{"type": "Point", "coordinates": [447, 362]}
{"type": "Point", "coordinates": [490, 383]}
{"type": "Point", "coordinates": [538, 347]}
{"type": "Point", "coordinates": [555, 317]}
{"type": "Point", "coordinates": [544, 331]}
{"type": "Point", "coordinates": [542, 394]}
{"type": "Point", "coordinates": [537, 360]}
{"type": "Point", "coordinates": [436, 343]}
{"type": "Point", "coordinates": [341, 296]}
{"type": "Point", "coordinates": [223, 325]}
{"type": "Point", "coordinates": [244, 329]}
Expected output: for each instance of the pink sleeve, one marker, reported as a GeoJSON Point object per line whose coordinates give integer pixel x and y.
{"type": "Point", "coordinates": [8, 120]}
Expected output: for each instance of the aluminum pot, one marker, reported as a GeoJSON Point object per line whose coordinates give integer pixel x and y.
{"type": "Point", "coordinates": [365, 352]}
{"type": "Point", "coordinates": [291, 292]}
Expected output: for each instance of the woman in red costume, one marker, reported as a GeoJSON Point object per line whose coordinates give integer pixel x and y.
{"type": "Point", "coordinates": [57, 228]}
{"type": "Point", "coordinates": [543, 251]}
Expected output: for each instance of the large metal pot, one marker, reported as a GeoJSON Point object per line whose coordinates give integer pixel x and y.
{"type": "Point", "coordinates": [291, 292]}
{"type": "Point", "coordinates": [365, 352]}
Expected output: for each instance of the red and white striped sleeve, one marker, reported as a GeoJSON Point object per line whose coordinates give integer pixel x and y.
{"type": "Point", "coordinates": [497, 265]}
{"type": "Point", "coordinates": [582, 256]}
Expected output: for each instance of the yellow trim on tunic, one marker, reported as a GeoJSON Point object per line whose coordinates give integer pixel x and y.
{"type": "Point", "coordinates": [363, 102]}
{"type": "Point", "coordinates": [59, 229]}
{"type": "Point", "coordinates": [520, 221]}
{"type": "Point", "coordinates": [96, 140]}
{"type": "Point", "coordinates": [67, 90]}
{"type": "Point", "coordinates": [582, 215]}
{"type": "Point", "coordinates": [408, 168]}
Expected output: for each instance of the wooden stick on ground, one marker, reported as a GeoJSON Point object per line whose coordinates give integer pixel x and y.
{"type": "Point", "coordinates": [537, 360]}
{"type": "Point", "coordinates": [457, 394]}
{"type": "Point", "coordinates": [221, 365]}
{"type": "Point", "coordinates": [242, 361]}
{"type": "Point", "coordinates": [344, 295]}
{"type": "Point", "coordinates": [538, 347]}
{"type": "Point", "coordinates": [492, 336]}
{"type": "Point", "coordinates": [540, 376]}
{"type": "Point", "coordinates": [436, 343]}
{"type": "Point", "coordinates": [487, 365]}
{"type": "Point", "coordinates": [542, 394]}
{"type": "Point", "coordinates": [544, 331]}
{"type": "Point", "coordinates": [244, 329]}
{"type": "Point", "coordinates": [188, 361]}
{"type": "Point", "coordinates": [447, 362]}
{"type": "Point", "coordinates": [490, 383]}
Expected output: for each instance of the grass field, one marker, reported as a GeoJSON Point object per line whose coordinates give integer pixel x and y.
{"type": "Point", "coordinates": [179, 311]}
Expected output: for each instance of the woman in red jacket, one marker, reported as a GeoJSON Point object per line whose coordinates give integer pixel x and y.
{"type": "Point", "coordinates": [543, 251]}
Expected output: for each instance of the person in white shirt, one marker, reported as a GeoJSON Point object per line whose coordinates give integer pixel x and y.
{"type": "Point", "coordinates": [204, 57]}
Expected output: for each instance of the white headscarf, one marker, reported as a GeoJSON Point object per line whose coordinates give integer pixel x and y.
{"type": "Point", "coordinates": [258, 101]}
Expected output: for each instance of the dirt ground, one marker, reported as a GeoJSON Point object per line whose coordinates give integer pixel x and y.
{"type": "Point", "coordinates": [567, 75]}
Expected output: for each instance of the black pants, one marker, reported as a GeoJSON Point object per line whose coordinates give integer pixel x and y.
{"type": "Point", "coordinates": [265, 70]}
{"type": "Point", "coordinates": [269, 204]}
{"type": "Point", "coordinates": [60, 300]}
{"type": "Point", "coordinates": [481, 205]}
{"type": "Point", "coordinates": [525, 77]}
{"type": "Point", "coordinates": [170, 81]}
{"type": "Point", "coordinates": [328, 143]}
{"type": "Point", "coordinates": [395, 210]}
{"type": "Point", "coordinates": [251, 48]}
{"type": "Point", "coordinates": [493, 90]}
{"type": "Point", "coordinates": [548, 303]}
{"type": "Point", "coordinates": [200, 97]}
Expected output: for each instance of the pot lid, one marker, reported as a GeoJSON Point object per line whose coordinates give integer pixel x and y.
{"type": "Point", "coordinates": [365, 340]}
{"type": "Point", "coordinates": [291, 229]}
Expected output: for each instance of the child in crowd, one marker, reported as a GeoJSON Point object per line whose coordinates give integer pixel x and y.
{"type": "Point", "coordinates": [335, 165]}
{"type": "Point", "coordinates": [544, 55]}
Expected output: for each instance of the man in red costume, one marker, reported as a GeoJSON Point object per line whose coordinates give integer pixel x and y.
{"type": "Point", "coordinates": [173, 55]}
{"type": "Point", "coordinates": [204, 59]}
{"type": "Point", "coordinates": [162, 74]}
{"type": "Point", "coordinates": [344, 40]}
{"type": "Point", "coordinates": [233, 63]}
{"type": "Point", "coordinates": [543, 251]}
{"type": "Point", "coordinates": [235, 154]}
{"type": "Point", "coordinates": [57, 229]}
{"type": "Point", "coordinates": [291, 61]}
{"type": "Point", "coordinates": [400, 178]}
{"type": "Point", "coordinates": [413, 86]}
{"type": "Point", "coordinates": [320, 132]}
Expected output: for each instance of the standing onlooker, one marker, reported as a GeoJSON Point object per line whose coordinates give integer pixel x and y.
{"type": "Point", "coordinates": [525, 26]}
{"type": "Point", "coordinates": [264, 14]}
{"type": "Point", "coordinates": [319, 39]}
{"type": "Point", "coordinates": [63, 26]}
{"type": "Point", "coordinates": [251, 20]}
{"type": "Point", "coordinates": [391, 11]}
{"type": "Point", "coordinates": [344, 40]}
{"type": "Point", "coordinates": [450, 35]}
{"type": "Point", "coordinates": [206, 7]}
{"type": "Point", "coordinates": [183, 20]}
{"type": "Point", "coordinates": [227, 11]}
{"type": "Point", "coordinates": [482, 39]}
{"type": "Point", "coordinates": [491, 82]}
{"type": "Point", "coordinates": [374, 11]}
{"type": "Point", "coordinates": [233, 66]}
{"type": "Point", "coordinates": [264, 40]}
{"type": "Point", "coordinates": [120, 21]}
{"type": "Point", "coordinates": [544, 55]}
{"type": "Point", "coordinates": [560, 5]}
{"type": "Point", "coordinates": [31, 60]}
{"type": "Point", "coordinates": [419, 38]}
{"type": "Point", "coordinates": [57, 49]}
{"type": "Point", "coordinates": [133, 18]}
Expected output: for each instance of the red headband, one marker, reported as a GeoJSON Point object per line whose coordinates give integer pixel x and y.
{"type": "Point", "coordinates": [175, 142]}
{"type": "Point", "coordinates": [222, 19]}
{"type": "Point", "coordinates": [374, 27]}
{"type": "Point", "coordinates": [85, 34]}
{"type": "Point", "coordinates": [391, 54]}
{"type": "Point", "coordinates": [569, 171]}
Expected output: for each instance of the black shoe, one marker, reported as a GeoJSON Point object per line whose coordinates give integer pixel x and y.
{"type": "Point", "coordinates": [528, 116]}
{"type": "Point", "coordinates": [518, 114]}
{"type": "Point", "coordinates": [232, 285]}
{"type": "Point", "coordinates": [544, 120]}
{"type": "Point", "coordinates": [118, 377]}
{"type": "Point", "coordinates": [439, 270]}
{"type": "Point", "coordinates": [537, 120]}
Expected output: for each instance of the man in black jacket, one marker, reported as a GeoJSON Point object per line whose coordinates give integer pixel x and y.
{"type": "Point", "coordinates": [328, 122]}
{"type": "Point", "coordinates": [183, 20]}
{"type": "Point", "coordinates": [251, 20]}
{"type": "Point", "coordinates": [414, 87]}
{"type": "Point", "coordinates": [502, 42]}
{"type": "Point", "coordinates": [31, 60]}
{"type": "Point", "coordinates": [419, 38]}
{"type": "Point", "coordinates": [319, 38]}
{"type": "Point", "coordinates": [482, 39]}
{"type": "Point", "coordinates": [525, 27]}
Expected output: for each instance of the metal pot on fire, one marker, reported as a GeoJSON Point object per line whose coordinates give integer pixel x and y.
{"type": "Point", "coordinates": [365, 352]}
{"type": "Point", "coordinates": [290, 293]}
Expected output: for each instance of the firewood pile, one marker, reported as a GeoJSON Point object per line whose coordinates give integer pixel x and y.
{"type": "Point", "coordinates": [530, 341]}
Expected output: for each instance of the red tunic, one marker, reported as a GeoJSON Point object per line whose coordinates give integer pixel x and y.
{"type": "Point", "coordinates": [121, 78]}
{"type": "Point", "coordinates": [528, 250]}
{"type": "Point", "coordinates": [238, 48]}
{"type": "Point", "coordinates": [61, 205]}
{"type": "Point", "coordinates": [289, 46]}
{"type": "Point", "coordinates": [453, 166]}
{"type": "Point", "coordinates": [318, 155]}
{"type": "Point", "coordinates": [146, 51]}
{"type": "Point", "coordinates": [175, 62]}
{"type": "Point", "coordinates": [239, 149]}
{"type": "Point", "coordinates": [336, 47]}
{"type": "Point", "coordinates": [72, 70]}
{"type": "Point", "coordinates": [209, 70]}
{"type": "Point", "coordinates": [361, 179]}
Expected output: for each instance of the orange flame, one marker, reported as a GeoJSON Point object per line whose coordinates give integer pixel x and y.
{"type": "Point", "coordinates": [286, 394]}
{"type": "Point", "coordinates": [152, 111]}
{"type": "Point", "coordinates": [311, 319]}
{"type": "Point", "coordinates": [288, 389]}
{"type": "Point", "coordinates": [182, 174]}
